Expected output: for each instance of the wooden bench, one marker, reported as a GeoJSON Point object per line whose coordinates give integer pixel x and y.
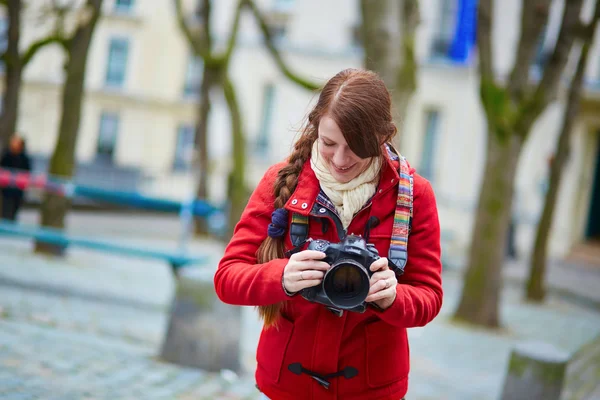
{"type": "Point", "coordinates": [57, 237]}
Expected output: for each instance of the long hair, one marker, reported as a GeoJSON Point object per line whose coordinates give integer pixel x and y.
{"type": "Point", "coordinates": [360, 104]}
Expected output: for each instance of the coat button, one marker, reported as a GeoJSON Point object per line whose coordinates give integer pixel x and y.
{"type": "Point", "coordinates": [304, 205]}
{"type": "Point", "coordinates": [393, 180]}
{"type": "Point", "coordinates": [295, 201]}
{"type": "Point", "coordinates": [322, 210]}
{"type": "Point", "coordinates": [380, 190]}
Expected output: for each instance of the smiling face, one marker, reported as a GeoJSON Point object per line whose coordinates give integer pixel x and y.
{"type": "Point", "coordinates": [344, 165]}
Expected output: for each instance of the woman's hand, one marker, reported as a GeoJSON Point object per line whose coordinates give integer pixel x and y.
{"type": "Point", "coordinates": [304, 270]}
{"type": "Point", "coordinates": [383, 284]}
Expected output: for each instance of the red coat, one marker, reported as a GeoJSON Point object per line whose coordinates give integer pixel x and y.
{"type": "Point", "coordinates": [374, 342]}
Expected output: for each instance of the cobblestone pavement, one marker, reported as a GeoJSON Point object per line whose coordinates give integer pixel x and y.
{"type": "Point", "coordinates": [38, 362]}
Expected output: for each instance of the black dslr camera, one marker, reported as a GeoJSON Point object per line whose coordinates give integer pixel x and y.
{"type": "Point", "coordinates": [345, 285]}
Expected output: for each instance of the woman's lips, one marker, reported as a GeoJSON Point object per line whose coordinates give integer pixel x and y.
{"type": "Point", "coordinates": [342, 170]}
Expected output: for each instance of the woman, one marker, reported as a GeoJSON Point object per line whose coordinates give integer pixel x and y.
{"type": "Point", "coordinates": [342, 178]}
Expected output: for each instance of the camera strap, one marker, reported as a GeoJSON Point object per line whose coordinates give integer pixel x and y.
{"type": "Point", "coordinates": [398, 253]}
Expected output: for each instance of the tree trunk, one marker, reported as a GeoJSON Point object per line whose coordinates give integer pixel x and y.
{"type": "Point", "coordinates": [510, 114]}
{"type": "Point", "coordinates": [209, 80]}
{"type": "Point", "coordinates": [12, 79]}
{"type": "Point", "coordinates": [238, 193]}
{"type": "Point", "coordinates": [388, 33]}
{"type": "Point", "coordinates": [63, 159]}
{"type": "Point", "coordinates": [406, 75]}
{"type": "Point", "coordinates": [379, 38]}
{"type": "Point", "coordinates": [536, 289]}
{"type": "Point", "coordinates": [481, 292]}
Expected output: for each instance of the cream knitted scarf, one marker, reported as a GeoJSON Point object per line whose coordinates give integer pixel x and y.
{"type": "Point", "coordinates": [348, 198]}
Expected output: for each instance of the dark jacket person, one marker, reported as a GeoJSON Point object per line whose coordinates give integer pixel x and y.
{"type": "Point", "coordinates": [15, 159]}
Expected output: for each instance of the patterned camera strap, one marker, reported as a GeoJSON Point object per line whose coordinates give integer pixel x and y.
{"type": "Point", "coordinates": [398, 252]}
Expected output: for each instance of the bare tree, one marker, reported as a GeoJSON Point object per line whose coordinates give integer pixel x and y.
{"type": "Point", "coordinates": [216, 73]}
{"type": "Point", "coordinates": [388, 34]}
{"type": "Point", "coordinates": [15, 62]}
{"type": "Point", "coordinates": [216, 76]}
{"type": "Point", "coordinates": [536, 288]}
{"type": "Point", "coordinates": [62, 163]}
{"type": "Point", "coordinates": [510, 109]}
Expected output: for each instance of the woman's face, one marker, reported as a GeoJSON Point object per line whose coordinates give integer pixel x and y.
{"type": "Point", "coordinates": [343, 164]}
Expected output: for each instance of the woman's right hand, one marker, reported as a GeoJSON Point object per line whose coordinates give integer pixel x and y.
{"type": "Point", "coordinates": [304, 269]}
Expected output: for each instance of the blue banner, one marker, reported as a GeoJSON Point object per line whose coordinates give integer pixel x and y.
{"type": "Point", "coordinates": [465, 31]}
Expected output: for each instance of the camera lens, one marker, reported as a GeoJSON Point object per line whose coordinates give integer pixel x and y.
{"type": "Point", "coordinates": [346, 284]}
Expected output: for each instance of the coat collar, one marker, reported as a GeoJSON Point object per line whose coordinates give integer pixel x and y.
{"type": "Point", "coordinates": [308, 187]}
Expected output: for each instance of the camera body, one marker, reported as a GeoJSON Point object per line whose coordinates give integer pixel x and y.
{"type": "Point", "coordinates": [346, 284]}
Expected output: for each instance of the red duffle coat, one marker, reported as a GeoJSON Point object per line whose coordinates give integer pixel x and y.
{"type": "Point", "coordinates": [374, 342]}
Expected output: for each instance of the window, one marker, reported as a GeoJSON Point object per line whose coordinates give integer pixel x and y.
{"type": "Point", "coordinates": [432, 122]}
{"type": "Point", "coordinates": [444, 31]}
{"type": "Point", "coordinates": [193, 76]}
{"type": "Point", "coordinates": [184, 147]}
{"type": "Point", "coordinates": [262, 140]}
{"type": "Point", "coordinates": [117, 62]}
{"type": "Point", "coordinates": [107, 136]}
{"type": "Point", "coordinates": [123, 6]}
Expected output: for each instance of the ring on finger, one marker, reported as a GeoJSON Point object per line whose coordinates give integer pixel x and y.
{"type": "Point", "coordinates": [301, 277]}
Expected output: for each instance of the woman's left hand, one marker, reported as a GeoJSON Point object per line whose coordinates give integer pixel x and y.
{"type": "Point", "coordinates": [383, 284]}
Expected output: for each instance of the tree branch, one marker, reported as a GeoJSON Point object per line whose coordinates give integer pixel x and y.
{"type": "Point", "coordinates": [234, 32]}
{"type": "Point", "coordinates": [534, 17]}
{"type": "Point", "coordinates": [548, 87]}
{"type": "Point", "coordinates": [206, 23]}
{"type": "Point", "coordinates": [197, 45]}
{"type": "Point", "coordinates": [485, 17]}
{"type": "Point", "coordinates": [38, 45]}
{"type": "Point", "coordinates": [275, 52]}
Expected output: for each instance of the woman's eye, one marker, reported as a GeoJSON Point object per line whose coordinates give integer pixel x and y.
{"type": "Point", "coordinates": [328, 144]}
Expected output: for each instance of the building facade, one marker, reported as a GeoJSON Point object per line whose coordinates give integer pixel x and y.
{"type": "Point", "coordinates": [140, 106]}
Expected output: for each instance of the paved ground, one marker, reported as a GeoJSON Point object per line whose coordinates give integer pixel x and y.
{"type": "Point", "coordinates": [90, 326]}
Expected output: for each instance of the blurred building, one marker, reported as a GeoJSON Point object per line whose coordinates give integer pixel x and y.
{"type": "Point", "coordinates": [139, 112]}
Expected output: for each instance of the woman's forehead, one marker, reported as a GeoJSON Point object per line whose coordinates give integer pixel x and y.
{"type": "Point", "coordinates": [329, 129]}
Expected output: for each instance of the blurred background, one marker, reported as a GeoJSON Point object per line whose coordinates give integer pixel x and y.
{"type": "Point", "coordinates": [145, 125]}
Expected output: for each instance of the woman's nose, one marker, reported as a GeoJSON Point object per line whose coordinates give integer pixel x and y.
{"type": "Point", "coordinates": [340, 157]}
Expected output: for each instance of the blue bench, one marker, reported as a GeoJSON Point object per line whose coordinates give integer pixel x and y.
{"type": "Point", "coordinates": [59, 238]}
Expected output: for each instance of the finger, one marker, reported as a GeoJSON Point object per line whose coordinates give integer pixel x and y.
{"type": "Point", "coordinates": [312, 264]}
{"type": "Point", "coordinates": [383, 284]}
{"type": "Point", "coordinates": [380, 264]}
{"type": "Point", "coordinates": [309, 274]}
{"type": "Point", "coordinates": [377, 276]}
{"type": "Point", "coordinates": [299, 285]}
{"type": "Point", "coordinates": [381, 295]}
{"type": "Point", "coordinates": [308, 255]}
{"type": "Point", "coordinates": [379, 286]}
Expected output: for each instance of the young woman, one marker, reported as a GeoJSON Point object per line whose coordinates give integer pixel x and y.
{"type": "Point", "coordinates": [343, 177]}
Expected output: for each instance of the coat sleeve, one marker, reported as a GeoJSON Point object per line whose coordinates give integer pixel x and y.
{"type": "Point", "coordinates": [419, 292]}
{"type": "Point", "coordinates": [239, 279]}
